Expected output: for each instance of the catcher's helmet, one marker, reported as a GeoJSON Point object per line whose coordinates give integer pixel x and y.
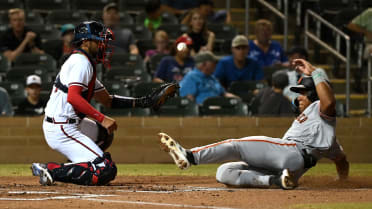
{"type": "Point", "coordinates": [306, 84]}
{"type": "Point", "coordinates": [92, 30]}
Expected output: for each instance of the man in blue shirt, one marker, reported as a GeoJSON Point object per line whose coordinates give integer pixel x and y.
{"type": "Point", "coordinates": [264, 50]}
{"type": "Point", "coordinates": [238, 67]}
{"type": "Point", "coordinates": [200, 84]}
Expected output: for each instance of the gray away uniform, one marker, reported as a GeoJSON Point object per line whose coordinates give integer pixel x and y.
{"type": "Point", "coordinates": [310, 138]}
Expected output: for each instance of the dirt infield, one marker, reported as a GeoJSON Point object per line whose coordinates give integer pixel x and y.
{"type": "Point", "coordinates": [177, 192]}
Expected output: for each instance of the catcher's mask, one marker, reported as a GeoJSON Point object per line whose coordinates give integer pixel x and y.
{"type": "Point", "coordinates": [92, 30]}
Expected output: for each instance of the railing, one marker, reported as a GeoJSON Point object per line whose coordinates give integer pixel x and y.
{"type": "Point", "coordinates": [283, 16]}
{"type": "Point", "coordinates": [335, 51]}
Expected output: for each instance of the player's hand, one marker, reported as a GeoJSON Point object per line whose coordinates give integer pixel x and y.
{"type": "Point", "coordinates": [109, 124]}
{"type": "Point", "coordinates": [303, 66]}
{"type": "Point", "coordinates": [30, 36]}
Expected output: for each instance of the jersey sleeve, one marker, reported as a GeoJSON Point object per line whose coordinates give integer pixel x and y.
{"type": "Point", "coordinates": [98, 86]}
{"type": "Point", "coordinates": [363, 19]}
{"type": "Point", "coordinates": [81, 72]}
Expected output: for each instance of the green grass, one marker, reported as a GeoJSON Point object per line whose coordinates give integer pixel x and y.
{"type": "Point", "coordinates": [358, 205]}
{"type": "Point", "coordinates": [322, 169]}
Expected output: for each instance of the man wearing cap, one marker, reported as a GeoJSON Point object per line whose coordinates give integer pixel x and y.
{"type": "Point", "coordinates": [174, 67]}
{"type": "Point", "coordinates": [238, 67]}
{"type": "Point", "coordinates": [261, 161]}
{"type": "Point", "coordinates": [200, 84]}
{"type": "Point", "coordinates": [19, 38]}
{"type": "Point", "coordinates": [125, 41]}
{"type": "Point", "coordinates": [33, 104]}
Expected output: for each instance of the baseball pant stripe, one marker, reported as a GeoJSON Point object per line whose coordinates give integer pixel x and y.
{"type": "Point", "coordinates": [82, 144]}
{"type": "Point", "coordinates": [242, 140]}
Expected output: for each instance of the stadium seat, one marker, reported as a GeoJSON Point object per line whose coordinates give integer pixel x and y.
{"type": "Point", "coordinates": [167, 18]}
{"type": "Point", "coordinates": [30, 59]}
{"type": "Point", "coordinates": [46, 5]}
{"type": "Point", "coordinates": [16, 90]}
{"type": "Point", "coordinates": [244, 89]}
{"type": "Point", "coordinates": [132, 5]}
{"type": "Point", "coordinates": [222, 31]}
{"type": "Point", "coordinates": [20, 73]}
{"type": "Point", "coordinates": [125, 18]}
{"type": "Point", "coordinates": [61, 17]}
{"type": "Point", "coordinates": [178, 106]}
{"type": "Point", "coordinates": [4, 66]}
{"type": "Point", "coordinates": [174, 30]}
{"type": "Point", "coordinates": [139, 31]}
{"type": "Point", "coordinates": [89, 5]}
{"type": "Point", "coordinates": [127, 60]}
{"type": "Point", "coordinates": [269, 70]}
{"type": "Point", "coordinates": [9, 4]}
{"type": "Point", "coordinates": [144, 88]}
{"type": "Point", "coordinates": [46, 31]}
{"type": "Point", "coordinates": [222, 106]}
{"type": "Point", "coordinates": [116, 87]}
{"type": "Point", "coordinates": [128, 75]}
{"type": "Point", "coordinates": [127, 112]}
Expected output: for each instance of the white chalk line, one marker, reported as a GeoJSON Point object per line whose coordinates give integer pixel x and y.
{"type": "Point", "coordinates": [93, 197]}
{"type": "Point", "coordinates": [156, 204]}
{"type": "Point", "coordinates": [190, 189]}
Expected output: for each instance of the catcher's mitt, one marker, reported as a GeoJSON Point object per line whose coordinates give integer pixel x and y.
{"type": "Point", "coordinates": [157, 98]}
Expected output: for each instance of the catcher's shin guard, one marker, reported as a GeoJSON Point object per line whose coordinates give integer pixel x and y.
{"type": "Point", "coordinates": [99, 172]}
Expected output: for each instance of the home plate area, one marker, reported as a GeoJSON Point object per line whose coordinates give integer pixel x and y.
{"type": "Point", "coordinates": [175, 192]}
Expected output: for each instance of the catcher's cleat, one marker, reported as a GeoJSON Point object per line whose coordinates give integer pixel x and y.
{"type": "Point", "coordinates": [39, 169]}
{"type": "Point", "coordinates": [175, 150]}
{"type": "Point", "coordinates": [285, 180]}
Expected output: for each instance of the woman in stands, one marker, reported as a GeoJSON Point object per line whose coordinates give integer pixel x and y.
{"type": "Point", "coordinates": [202, 38]}
{"type": "Point", "coordinates": [161, 42]}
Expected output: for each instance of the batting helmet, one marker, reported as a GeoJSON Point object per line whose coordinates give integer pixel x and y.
{"type": "Point", "coordinates": [92, 30]}
{"type": "Point", "coordinates": [306, 84]}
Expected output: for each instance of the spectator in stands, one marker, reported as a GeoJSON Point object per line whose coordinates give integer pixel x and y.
{"type": "Point", "coordinates": [363, 24]}
{"type": "Point", "coordinates": [174, 67]}
{"type": "Point", "coordinates": [161, 41]}
{"type": "Point", "coordinates": [5, 103]}
{"type": "Point", "coordinates": [238, 66]}
{"type": "Point", "coordinates": [124, 39]}
{"type": "Point", "coordinates": [293, 74]}
{"type": "Point", "coordinates": [19, 38]}
{"type": "Point", "coordinates": [264, 50]}
{"type": "Point", "coordinates": [32, 105]}
{"type": "Point", "coordinates": [202, 38]}
{"type": "Point", "coordinates": [153, 11]}
{"type": "Point", "coordinates": [207, 10]}
{"type": "Point", "coordinates": [270, 101]}
{"type": "Point", "coordinates": [178, 7]}
{"type": "Point", "coordinates": [59, 48]}
{"type": "Point", "coordinates": [200, 84]}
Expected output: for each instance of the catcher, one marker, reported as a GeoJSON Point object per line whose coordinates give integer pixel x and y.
{"type": "Point", "coordinates": [266, 161]}
{"type": "Point", "coordinates": [66, 126]}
